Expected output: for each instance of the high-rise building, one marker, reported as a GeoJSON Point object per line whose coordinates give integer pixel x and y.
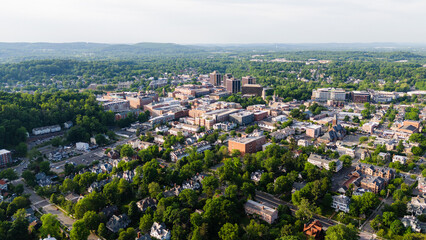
{"type": "Point", "coordinates": [5, 157]}
{"type": "Point", "coordinates": [233, 85]}
{"type": "Point", "coordinates": [248, 80]}
{"type": "Point", "coordinates": [216, 78]}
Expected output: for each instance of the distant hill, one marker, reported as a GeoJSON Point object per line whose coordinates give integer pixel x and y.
{"type": "Point", "coordinates": [30, 51]}
{"type": "Point", "coordinates": [15, 52]}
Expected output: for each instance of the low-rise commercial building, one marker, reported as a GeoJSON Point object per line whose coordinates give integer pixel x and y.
{"type": "Point", "coordinates": [266, 213]}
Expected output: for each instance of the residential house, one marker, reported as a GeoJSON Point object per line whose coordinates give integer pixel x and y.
{"type": "Point", "coordinates": [412, 222]}
{"type": "Point", "coordinates": [399, 158]}
{"type": "Point", "coordinates": [341, 203]}
{"type": "Point", "coordinates": [313, 230]}
{"type": "Point", "coordinates": [421, 184]}
{"type": "Point", "coordinates": [255, 176]}
{"type": "Point", "coordinates": [159, 231]}
{"type": "Point", "coordinates": [116, 223]}
{"type": "Point", "coordinates": [175, 191]}
{"type": "Point", "coordinates": [417, 206]}
{"type": "Point", "coordinates": [147, 202]}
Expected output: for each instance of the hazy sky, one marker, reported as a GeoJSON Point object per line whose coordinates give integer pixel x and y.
{"type": "Point", "coordinates": [213, 21]}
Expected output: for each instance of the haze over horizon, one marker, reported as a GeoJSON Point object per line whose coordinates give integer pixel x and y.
{"type": "Point", "coordinates": [213, 21]}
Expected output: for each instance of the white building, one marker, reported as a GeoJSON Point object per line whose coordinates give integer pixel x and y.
{"type": "Point", "coordinates": [82, 146]}
{"type": "Point", "coordinates": [322, 162]}
{"type": "Point", "coordinates": [159, 231]}
{"type": "Point", "coordinates": [399, 158]}
{"type": "Point", "coordinates": [341, 203]}
{"type": "Point", "coordinates": [324, 94]}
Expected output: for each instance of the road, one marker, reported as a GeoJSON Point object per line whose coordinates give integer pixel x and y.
{"type": "Point", "coordinates": [43, 204]}
{"type": "Point", "coordinates": [274, 202]}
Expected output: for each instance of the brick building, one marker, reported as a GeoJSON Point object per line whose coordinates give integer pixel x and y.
{"type": "Point", "coordinates": [250, 144]}
{"type": "Point", "coordinates": [5, 157]}
{"type": "Point", "coordinates": [266, 213]}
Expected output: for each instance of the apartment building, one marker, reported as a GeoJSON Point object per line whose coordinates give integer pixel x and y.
{"type": "Point", "coordinates": [323, 162]}
{"type": "Point", "coordinates": [251, 144]}
{"type": "Point", "coordinates": [266, 213]}
{"type": "Point", "coordinates": [5, 157]}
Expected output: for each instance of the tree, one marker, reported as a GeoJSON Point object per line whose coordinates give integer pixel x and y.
{"type": "Point", "coordinates": [91, 219]}
{"type": "Point", "coordinates": [101, 139]}
{"type": "Point", "coordinates": [19, 228]}
{"type": "Point", "coordinates": [210, 184]}
{"type": "Point", "coordinates": [79, 231]}
{"type": "Point", "coordinates": [256, 231]}
{"type": "Point", "coordinates": [338, 232]}
{"type": "Point", "coordinates": [126, 151]}
{"type": "Point", "coordinates": [304, 213]}
{"type": "Point", "coordinates": [154, 189]}
{"type": "Point", "coordinates": [21, 149]}
{"type": "Point", "coordinates": [133, 211]}
{"type": "Point", "coordinates": [397, 227]}
{"type": "Point", "coordinates": [400, 147]}
{"type": "Point", "coordinates": [145, 223]}
{"type": "Point", "coordinates": [45, 167]}
{"type": "Point", "coordinates": [229, 232]}
{"type": "Point", "coordinates": [102, 231]}
{"type": "Point", "coordinates": [50, 226]}
{"type": "Point", "coordinates": [388, 218]}
{"type": "Point", "coordinates": [129, 234]}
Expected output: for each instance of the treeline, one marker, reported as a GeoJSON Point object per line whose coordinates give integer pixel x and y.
{"type": "Point", "coordinates": [21, 112]}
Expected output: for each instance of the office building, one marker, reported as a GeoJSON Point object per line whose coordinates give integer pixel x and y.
{"type": "Point", "coordinates": [216, 78]}
{"type": "Point", "coordinates": [251, 144]}
{"type": "Point", "coordinates": [233, 85]}
{"type": "Point", "coordinates": [248, 80]}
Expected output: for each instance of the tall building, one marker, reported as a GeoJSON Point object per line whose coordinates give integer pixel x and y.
{"type": "Point", "coordinates": [324, 94]}
{"type": "Point", "coordinates": [248, 80]}
{"type": "Point", "coordinates": [252, 89]}
{"type": "Point", "coordinates": [233, 85]}
{"type": "Point", "coordinates": [5, 157]}
{"type": "Point", "coordinates": [216, 78]}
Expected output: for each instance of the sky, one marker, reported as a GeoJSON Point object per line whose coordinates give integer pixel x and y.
{"type": "Point", "coordinates": [213, 21]}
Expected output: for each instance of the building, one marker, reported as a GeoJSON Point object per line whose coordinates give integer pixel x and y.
{"type": "Point", "coordinates": [422, 184]}
{"type": "Point", "coordinates": [267, 126]}
{"type": "Point", "coordinates": [341, 203]}
{"type": "Point", "coordinates": [216, 78]}
{"type": "Point", "coordinates": [323, 162]}
{"type": "Point", "coordinates": [313, 230]}
{"type": "Point", "coordinates": [324, 94]}
{"type": "Point", "coordinates": [5, 157]}
{"type": "Point", "coordinates": [371, 170]}
{"type": "Point", "coordinates": [242, 118]}
{"type": "Point", "coordinates": [233, 85]}
{"type": "Point", "coordinates": [282, 133]}
{"type": "Point", "coordinates": [116, 223]}
{"type": "Point", "coordinates": [337, 132]}
{"type": "Point", "coordinates": [48, 129]}
{"type": "Point", "coordinates": [82, 146]}
{"type": "Point", "coordinates": [417, 206]}
{"type": "Point", "coordinates": [385, 156]}
{"type": "Point", "coordinates": [251, 144]}
{"type": "Point", "coordinates": [159, 231]}
{"type": "Point", "coordinates": [412, 222]}
{"type": "Point", "coordinates": [146, 203]}
{"type": "Point", "coordinates": [304, 143]}
{"type": "Point", "coordinates": [252, 90]}
{"type": "Point", "coordinates": [399, 158]}
{"type": "Point", "coordinates": [360, 96]}
{"type": "Point", "coordinates": [313, 131]}
{"type": "Point", "coordinates": [369, 127]}
{"type": "Point", "coordinates": [117, 105]}
{"type": "Point", "coordinates": [266, 213]}
{"type": "Point", "coordinates": [373, 183]}
{"type": "Point", "coordinates": [248, 80]}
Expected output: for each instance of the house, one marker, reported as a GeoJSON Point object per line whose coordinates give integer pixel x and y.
{"type": "Point", "coordinates": [323, 162]}
{"type": "Point", "coordinates": [304, 143]}
{"type": "Point", "coordinates": [399, 158]}
{"type": "Point", "coordinates": [413, 222]}
{"type": "Point", "coordinates": [417, 205]}
{"type": "Point", "coordinates": [146, 203]}
{"type": "Point", "coordinates": [191, 184]}
{"type": "Point", "coordinates": [73, 197]}
{"type": "Point", "coordinates": [313, 230]}
{"type": "Point", "coordinates": [255, 176]}
{"type": "Point", "coordinates": [175, 191]}
{"type": "Point", "coordinates": [266, 213]}
{"type": "Point", "coordinates": [159, 231]}
{"type": "Point", "coordinates": [109, 211]}
{"type": "Point", "coordinates": [385, 156]}
{"type": "Point", "coordinates": [3, 185]}
{"type": "Point", "coordinates": [116, 223]}
{"type": "Point", "coordinates": [341, 203]}
{"type": "Point", "coordinates": [282, 133]}
{"type": "Point", "coordinates": [267, 126]}
{"type": "Point", "coordinates": [383, 172]}
{"type": "Point", "coordinates": [365, 154]}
